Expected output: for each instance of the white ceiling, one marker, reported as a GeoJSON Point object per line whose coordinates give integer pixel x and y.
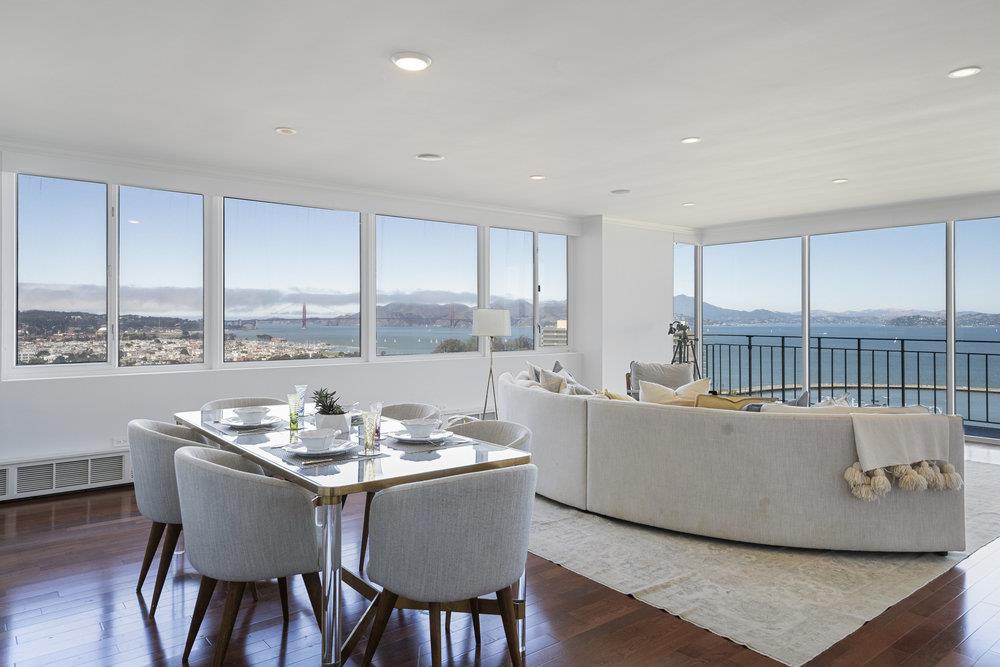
{"type": "Point", "coordinates": [596, 94]}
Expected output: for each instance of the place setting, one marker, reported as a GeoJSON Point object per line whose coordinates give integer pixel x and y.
{"type": "Point", "coordinates": [249, 420]}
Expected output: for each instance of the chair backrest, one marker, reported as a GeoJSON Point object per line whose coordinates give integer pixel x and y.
{"type": "Point", "coordinates": [402, 411]}
{"type": "Point", "coordinates": [453, 538]}
{"type": "Point", "coordinates": [240, 525]}
{"type": "Point", "coordinates": [507, 434]}
{"type": "Point", "coordinates": [240, 402]}
{"type": "Point", "coordinates": [152, 445]}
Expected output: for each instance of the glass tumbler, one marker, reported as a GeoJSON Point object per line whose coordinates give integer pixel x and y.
{"type": "Point", "coordinates": [293, 412]}
{"type": "Point", "coordinates": [369, 422]}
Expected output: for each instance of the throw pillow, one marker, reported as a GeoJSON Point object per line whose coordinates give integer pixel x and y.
{"type": "Point", "coordinates": [551, 381]}
{"type": "Point", "coordinates": [728, 402]}
{"type": "Point", "coordinates": [614, 396]}
{"type": "Point", "coordinates": [578, 389]}
{"type": "Point", "coordinates": [802, 400]}
{"type": "Point", "coordinates": [668, 375]}
{"type": "Point", "coordinates": [536, 371]}
{"type": "Point", "coordinates": [651, 392]}
{"type": "Point", "coordinates": [556, 367]}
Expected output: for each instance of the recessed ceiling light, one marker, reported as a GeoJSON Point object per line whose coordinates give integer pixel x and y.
{"type": "Point", "coordinates": [537, 177]}
{"type": "Point", "coordinates": [691, 140]}
{"type": "Point", "coordinates": [410, 61]}
{"type": "Point", "coordinates": [964, 72]}
{"type": "Point", "coordinates": [688, 204]}
{"type": "Point", "coordinates": [429, 157]}
{"type": "Point", "coordinates": [133, 222]}
{"type": "Point", "coordinates": [839, 181]}
{"type": "Point", "coordinates": [620, 191]}
{"type": "Point", "coordinates": [287, 131]}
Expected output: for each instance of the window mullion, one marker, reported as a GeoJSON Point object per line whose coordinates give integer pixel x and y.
{"type": "Point", "coordinates": [535, 326]}
{"type": "Point", "coordinates": [369, 281]}
{"type": "Point", "coordinates": [113, 266]}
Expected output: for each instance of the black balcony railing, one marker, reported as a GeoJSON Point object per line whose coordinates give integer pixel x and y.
{"type": "Point", "coordinates": [874, 371]}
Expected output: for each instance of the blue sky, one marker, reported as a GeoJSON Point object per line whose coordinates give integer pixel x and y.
{"type": "Point", "coordinates": [277, 256]}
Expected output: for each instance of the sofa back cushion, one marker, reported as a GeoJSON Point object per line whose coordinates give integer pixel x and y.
{"type": "Point", "coordinates": [668, 375]}
{"type": "Point", "coordinates": [842, 410]}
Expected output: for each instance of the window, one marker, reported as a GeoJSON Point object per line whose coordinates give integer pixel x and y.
{"type": "Point", "coordinates": [877, 323]}
{"type": "Point", "coordinates": [292, 282]}
{"type": "Point", "coordinates": [427, 286]}
{"type": "Point", "coordinates": [160, 277]}
{"type": "Point", "coordinates": [684, 285]}
{"type": "Point", "coordinates": [512, 280]}
{"type": "Point", "coordinates": [553, 296]}
{"type": "Point", "coordinates": [752, 322]}
{"type": "Point", "coordinates": [62, 300]}
{"type": "Point", "coordinates": [977, 326]}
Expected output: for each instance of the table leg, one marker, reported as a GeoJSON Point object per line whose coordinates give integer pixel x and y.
{"type": "Point", "coordinates": [330, 522]}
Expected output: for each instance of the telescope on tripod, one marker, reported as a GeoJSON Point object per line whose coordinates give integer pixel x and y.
{"type": "Point", "coordinates": [684, 346]}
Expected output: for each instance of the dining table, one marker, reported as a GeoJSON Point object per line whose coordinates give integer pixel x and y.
{"type": "Point", "coordinates": [332, 479]}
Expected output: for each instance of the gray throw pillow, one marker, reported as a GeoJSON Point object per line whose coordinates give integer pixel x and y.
{"type": "Point", "coordinates": [556, 367]}
{"type": "Point", "coordinates": [535, 371]}
{"type": "Point", "coordinates": [668, 375]}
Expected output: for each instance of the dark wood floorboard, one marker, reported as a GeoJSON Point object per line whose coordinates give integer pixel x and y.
{"type": "Point", "coordinates": [68, 567]}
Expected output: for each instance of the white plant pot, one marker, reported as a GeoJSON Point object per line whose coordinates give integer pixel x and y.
{"type": "Point", "coordinates": [340, 423]}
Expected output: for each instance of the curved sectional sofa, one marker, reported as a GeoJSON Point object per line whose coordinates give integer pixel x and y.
{"type": "Point", "coordinates": [772, 479]}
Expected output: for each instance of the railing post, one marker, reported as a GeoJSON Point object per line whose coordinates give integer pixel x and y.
{"type": "Point", "coordinates": [857, 371]}
{"type": "Point", "coordinates": [781, 368]}
{"type": "Point", "coordinates": [749, 367]}
{"type": "Point", "coordinates": [902, 372]}
{"type": "Point", "coordinates": [819, 369]}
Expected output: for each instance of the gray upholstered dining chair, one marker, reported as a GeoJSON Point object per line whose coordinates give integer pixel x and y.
{"type": "Point", "coordinates": [449, 540]}
{"type": "Point", "coordinates": [507, 434]}
{"type": "Point", "coordinates": [243, 527]}
{"type": "Point", "coordinates": [152, 445]}
{"type": "Point", "coordinates": [240, 402]}
{"type": "Point", "coordinates": [399, 412]}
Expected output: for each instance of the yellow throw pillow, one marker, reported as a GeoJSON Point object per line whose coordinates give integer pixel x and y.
{"type": "Point", "coordinates": [728, 402]}
{"type": "Point", "coordinates": [657, 393]}
{"type": "Point", "coordinates": [614, 396]}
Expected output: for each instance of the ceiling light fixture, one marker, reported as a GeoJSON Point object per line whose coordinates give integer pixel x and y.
{"type": "Point", "coordinates": [688, 204]}
{"type": "Point", "coordinates": [410, 61]}
{"type": "Point", "coordinates": [537, 177]}
{"type": "Point", "coordinates": [965, 72]}
{"type": "Point", "coordinates": [840, 181]}
{"type": "Point", "coordinates": [429, 157]}
{"type": "Point", "coordinates": [620, 191]}
{"type": "Point", "coordinates": [286, 131]}
{"type": "Point", "coordinates": [691, 140]}
{"type": "Point", "coordinates": [133, 222]}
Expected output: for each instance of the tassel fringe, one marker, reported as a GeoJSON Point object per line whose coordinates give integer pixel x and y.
{"type": "Point", "coordinates": [921, 476]}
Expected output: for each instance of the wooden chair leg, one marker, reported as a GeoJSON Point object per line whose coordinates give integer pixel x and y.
{"type": "Point", "coordinates": [474, 610]}
{"type": "Point", "coordinates": [506, 601]}
{"type": "Point", "coordinates": [447, 622]}
{"type": "Point", "coordinates": [155, 533]}
{"type": "Point", "coordinates": [253, 591]}
{"type": "Point", "coordinates": [205, 591]}
{"type": "Point", "coordinates": [283, 594]}
{"type": "Point", "coordinates": [386, 603]}
{"type": "Point", "coordinates": [315, 591]}
{"type": "Point", "coordinates": [364, 531]}
{"type": "Point", "coordinates": [435, 611]}
{"type": "Point", "coordinates": [234, 595]}
{"type": "Point", "coordinates": [169, 544]}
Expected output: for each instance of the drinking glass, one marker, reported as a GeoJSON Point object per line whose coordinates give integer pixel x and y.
{"type": "Point", "coordinates": [300, 391]}
{"type": "Point", "coordinates": [376, 407]}
{"type": "Point", "coordinates": [369, 424]}
{"type": "Point", "coordinates": [293, 411]}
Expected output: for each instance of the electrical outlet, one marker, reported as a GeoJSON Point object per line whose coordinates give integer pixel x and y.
{"type": "Point", "coordinates": [119, 442]}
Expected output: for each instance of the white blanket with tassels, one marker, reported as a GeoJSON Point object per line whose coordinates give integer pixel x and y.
{"type": "Point", "coordinates": [887, 440]}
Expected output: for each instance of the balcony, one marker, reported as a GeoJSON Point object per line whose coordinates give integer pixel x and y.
{"type": "Point", "coordinates": [873, 371]}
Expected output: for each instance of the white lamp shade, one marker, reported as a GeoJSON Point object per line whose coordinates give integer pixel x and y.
{"type": "Point", "coordinates": [490, 322]}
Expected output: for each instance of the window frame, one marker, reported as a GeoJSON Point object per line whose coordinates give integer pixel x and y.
{"type": "Point", "coordinates": [535, 288]}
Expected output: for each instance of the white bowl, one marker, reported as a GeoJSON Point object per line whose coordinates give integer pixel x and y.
{"type": "Point", "coordinates": [420, 428]}
{"type": "Point", "coordinates": [318, 439]}
{"type": "Point", "coordinates": [252, 415]}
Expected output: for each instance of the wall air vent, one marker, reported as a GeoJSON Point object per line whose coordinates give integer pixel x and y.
{"type": "Point", "coordinates": [34, 478]}
{"type": "Point", "coordinates": [71, 473]}
{"type": "Point", "coordinates": [3, 481]}
{"type": "Point", "coordinates": [107, 469]}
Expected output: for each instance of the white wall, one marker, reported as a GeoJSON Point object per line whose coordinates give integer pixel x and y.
{"type": "Point", "coordinates": [50, 417]}
{"type": "Point", "coordinates": [625, 274]}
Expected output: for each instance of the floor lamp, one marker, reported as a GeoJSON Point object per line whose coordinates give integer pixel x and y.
{"type": "Point", "coordinates": [490, 322]}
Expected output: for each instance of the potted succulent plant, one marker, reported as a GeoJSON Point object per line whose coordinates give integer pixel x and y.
{"type": "Point", "coordinates": [330, 413]}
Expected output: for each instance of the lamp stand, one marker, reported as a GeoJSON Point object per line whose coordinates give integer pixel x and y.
{"type": "Point", "coordinates": [490, 384]}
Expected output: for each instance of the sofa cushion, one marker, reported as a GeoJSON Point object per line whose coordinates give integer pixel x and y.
{"type": "Point", "coordinates": [551, 381]}
{"type": "Point", "coordinates": [652, 392]}
{"type": "Point", "coordinates": [668, 375]}
{"type": "Point", "coordinates": [535, 371]}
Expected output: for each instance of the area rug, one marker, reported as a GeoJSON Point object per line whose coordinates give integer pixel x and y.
{"type": "Point", "coordinates": [789, 604]}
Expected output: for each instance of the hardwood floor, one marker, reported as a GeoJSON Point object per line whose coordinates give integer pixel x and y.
{"type": "Point", "coordinates": [69, 564]}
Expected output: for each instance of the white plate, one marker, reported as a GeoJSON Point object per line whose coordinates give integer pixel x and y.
{"type": "Point", "coordinates": [237, 423]}
{"type": "Point", "coordinates": [336, 447]}
{"type": "Point", "coordinates": [435, 437]}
